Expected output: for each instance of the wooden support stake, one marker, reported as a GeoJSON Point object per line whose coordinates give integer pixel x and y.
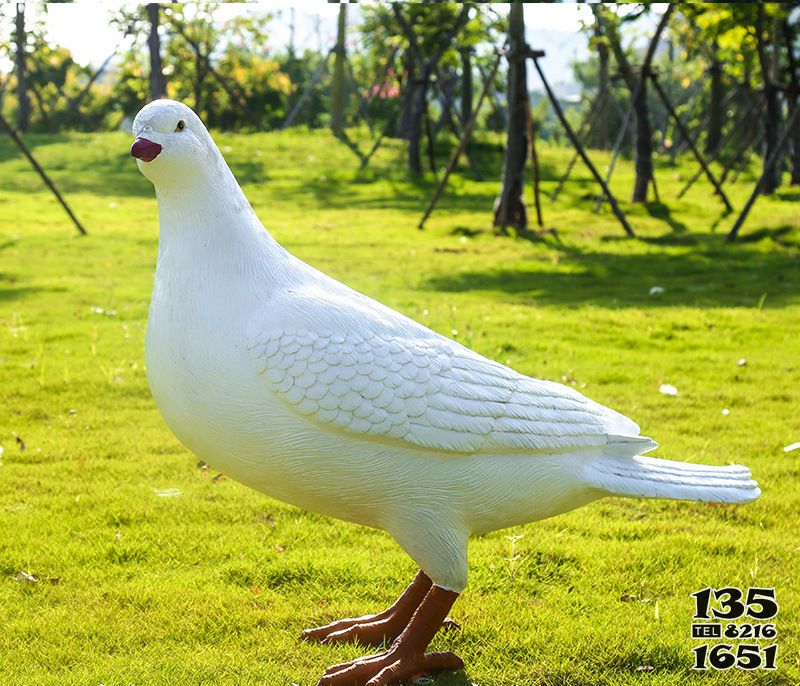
{"type": "Point", "coordinates": [362, 105]}
{"type": "Point", "coordinates": [41, 172]}
{"type": "Point", "coordinates": [614, 154]}
{"type": "Point", "coordinates": [685, 134]}
{"type": "Point", "coordinates": [462, 143]}
{"type": "Point", "coordinates": [579, 147]}
{"type": "Point", "coordinates": [74, 103]}
{"type": "Point", "coordinates": [752, 141]}
{"type": "Point", "coordinates": [768, 169]}
{"type": "Point", "coordinates": [586, 128]}
{"type": "Point", "coordinates": [534, 160]}
{"type": "Point", "coordinates": [718, 150]}
{"type": "Point", "coordinates": [298, 106]}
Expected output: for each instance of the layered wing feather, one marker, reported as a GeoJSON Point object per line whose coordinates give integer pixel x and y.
{"type": "Point", "coordinates": [430, 392]}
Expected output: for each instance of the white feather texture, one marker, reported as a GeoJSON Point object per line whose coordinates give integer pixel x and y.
{"type": "Point", "coordinates": [302, 388]}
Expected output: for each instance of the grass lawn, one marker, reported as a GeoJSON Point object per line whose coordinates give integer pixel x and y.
{"type": "Point", "coordinates": [152, 570]}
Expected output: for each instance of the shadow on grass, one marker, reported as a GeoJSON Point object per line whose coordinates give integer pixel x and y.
{"type": "Point", "coordinates": [104, 170]}
{"type": "Point", "coordinates": [660, 211]}
{"type": "Point", "coordinates": [711, 274]}
{"type": "Point", "coordinates": [7, 294]}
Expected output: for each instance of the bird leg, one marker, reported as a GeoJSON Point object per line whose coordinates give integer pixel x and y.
{"type": "Point", "coordinates": [375, 629]}
{"type": "Point", "coordinates": [406, 659]}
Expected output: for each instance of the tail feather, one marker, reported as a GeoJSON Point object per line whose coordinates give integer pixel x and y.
{"type": "Point", "coordinates": [649, 477]}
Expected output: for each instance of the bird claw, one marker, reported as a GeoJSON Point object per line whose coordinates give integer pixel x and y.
{"type": "Point", "coordinates": [395, 666]}
{"type": "Point", "coordinates": [374, 630]}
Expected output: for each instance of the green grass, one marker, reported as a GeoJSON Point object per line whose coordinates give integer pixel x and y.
{"type": "Point", "coordinates": [213, 585]}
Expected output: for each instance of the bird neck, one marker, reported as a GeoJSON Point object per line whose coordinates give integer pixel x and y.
{"type": "Point", "coordinates": [208, 230]}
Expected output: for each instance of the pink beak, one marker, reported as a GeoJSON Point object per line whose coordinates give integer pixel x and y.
{"type": "Point", "coordinates": [145, 150]}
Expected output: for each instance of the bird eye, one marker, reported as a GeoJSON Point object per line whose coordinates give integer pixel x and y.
{"type": "Point", "coordinates": [181, 126]}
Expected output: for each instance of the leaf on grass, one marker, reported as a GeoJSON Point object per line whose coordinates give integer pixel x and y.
{"type": "Point", "coordinates": [450, 624]}
{"type": "Point", "coordinates": [279, 548]}
{"type": "Point", "coordinates": [667, 389]}
{"type": "Point", "coordinates": [167, 492]}
{"type": "Point", "coordinates": [255, 590]}
{"type": "Point", "coordinates": [25, 578]}
{"type": "Point", "coordinates": [633, 598]}
{"type": "Point", "coordinates": [218, 477]}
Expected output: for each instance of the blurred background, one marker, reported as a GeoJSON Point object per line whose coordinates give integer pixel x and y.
{"type": "Point", "coordinates": [642, 80]}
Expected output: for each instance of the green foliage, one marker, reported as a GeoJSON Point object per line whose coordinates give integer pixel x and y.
{"type": "Point", "coordinates": [431, 22]}
{"type": "Point", "coordinates": [54, 82]}
{"type": "Point", "coordinates": [140, 585]}
{"type": "Point", "coordinates": [236, 50]}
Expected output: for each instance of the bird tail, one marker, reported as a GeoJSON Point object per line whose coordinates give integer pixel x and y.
{"type": "Point", "coordinates": [648, 477]}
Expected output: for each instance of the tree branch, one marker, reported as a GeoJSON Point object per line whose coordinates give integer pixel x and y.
{"type": "Point", "coordinates": [462, 19]}
{"type": "Point", "coordinates": [409, 33]}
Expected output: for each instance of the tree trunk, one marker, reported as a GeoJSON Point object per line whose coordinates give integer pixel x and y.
{"type": "Point", "coordinates": [792, 96]}
{"type": "Point", "coordinates": [407, 88]}
{"type": "Point", "coordinates": [337, 92]}
{"type": "Point", "coordinates": [603, 90]}
{"type": "Point", "coordinates": [603, 93]}
{"type": "Point", "coordinates": [795, 178]}
{"type": "Point", "coordinates": [416, 112]}
{"type": "Point", "coordinates": [447, 84]}
{"type": "Point", "coordinates": [644, 145]}
{"type": "Point", "coordinates": [716, 117]}
{"type": "Point", "coordinates": [509, 208]}
{"type": "Point", "coordinates": [772, 123]}
{"type": "Point", "coordinates": [466, 85]}
{"type": "Point", "coordinates": [772, 119]}
{"type": "Point", "coordinates": [157, 86]}
{"type": "Point", "coordinates": [199, 79]}
{"type": "Point", "coordinates": [638, 88]}
{"type": "Point", "coordinates": [24, 103]}
{"type": "Point", "coordinates": [417, 84]}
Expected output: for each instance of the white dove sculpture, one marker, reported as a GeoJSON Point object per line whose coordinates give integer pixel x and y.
{"type": "Point", "coordinates": [317, 395]}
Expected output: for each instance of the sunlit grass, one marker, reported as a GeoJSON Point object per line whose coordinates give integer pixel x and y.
{"type": "Point", "coordinates": [152, 571]}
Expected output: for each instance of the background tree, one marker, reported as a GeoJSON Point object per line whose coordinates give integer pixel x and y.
{"type": "Point", "coordinates": [637, 85]}
{"type": "Point", "coordinates": [509, 207]}
{"type": "Point", "coordinates": [158, 87]}
{"type": "Point", "coordinates": [338, 88]}
{"type": "Point", "coordinates": [20, 40]}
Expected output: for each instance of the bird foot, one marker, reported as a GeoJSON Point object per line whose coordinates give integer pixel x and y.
{"type": "Point", "coordinates": [398, 665]}
{"type": "Point", "coordinates": [371, 630]}
{"type": "Point", "coordinates": [376, 629]}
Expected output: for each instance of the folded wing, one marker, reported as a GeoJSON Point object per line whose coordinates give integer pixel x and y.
{"type": "Point", "coordinates": [431, 393]}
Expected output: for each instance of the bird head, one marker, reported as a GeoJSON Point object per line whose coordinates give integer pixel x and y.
{"type": "Point", "coordinates": [171, 143]}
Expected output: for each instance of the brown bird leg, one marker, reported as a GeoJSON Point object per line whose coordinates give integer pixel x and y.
{"type": "Point", "coordinates": [375, 629]}
{"type": "Point", "coordinates": [406, 660]}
